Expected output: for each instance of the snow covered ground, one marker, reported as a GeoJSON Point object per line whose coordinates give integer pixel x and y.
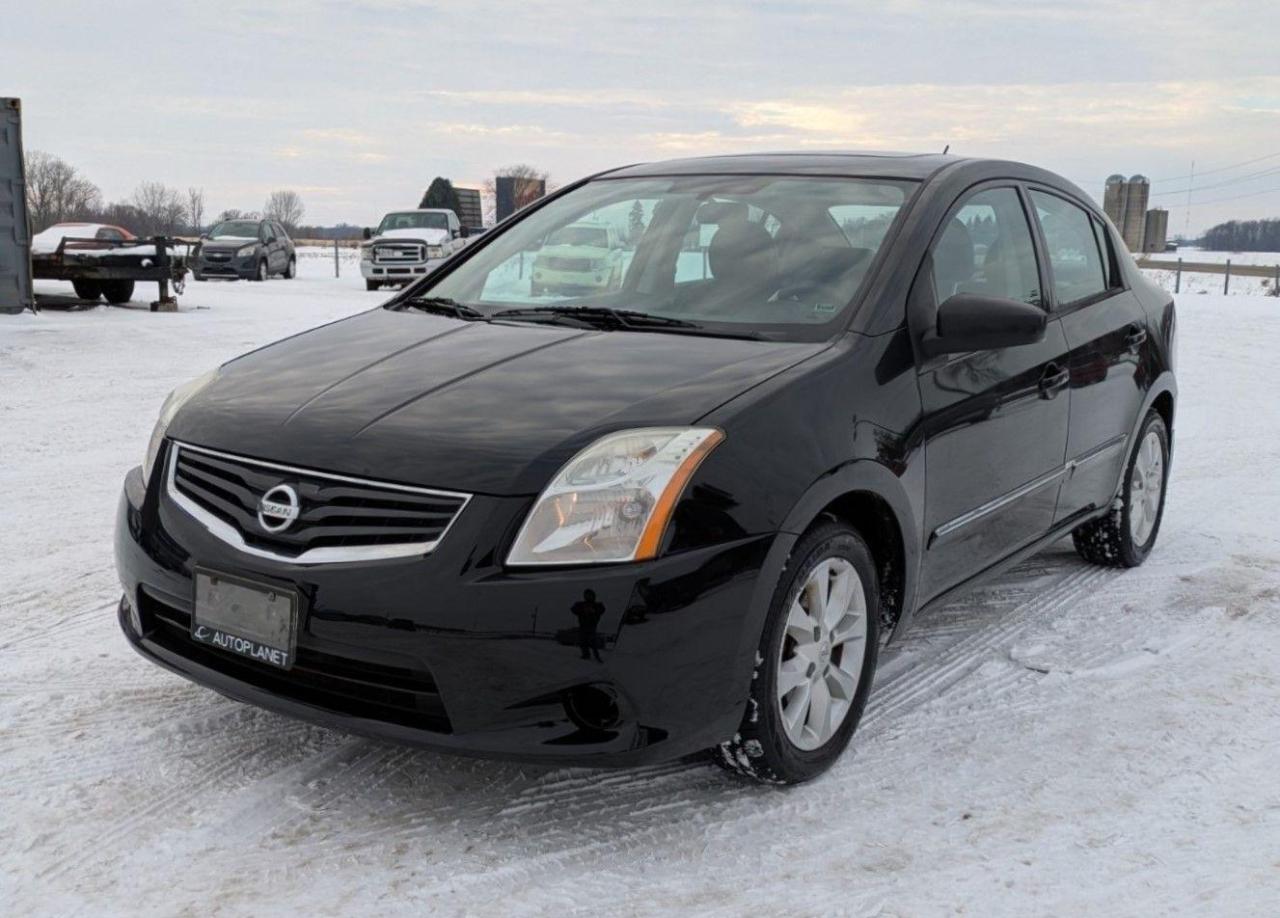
{"type": "Point", "coordinates": [1071, 740]}
{"type": "Point", "coordinates": [1212, 283]}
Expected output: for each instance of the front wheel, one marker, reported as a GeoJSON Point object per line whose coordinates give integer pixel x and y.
{"type": "Point", "coordinates": [372, 285]}
{"type": "Point", "coordinates": [261, 273]}
{"type": "Point", "coordinates": [1126, 535]}
{"type": "Point", "coordinates": [815, 662]}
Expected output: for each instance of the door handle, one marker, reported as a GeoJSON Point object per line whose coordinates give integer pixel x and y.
{"type": "Point", "coordinates": [1136, 337]}
{"type": "Point", "coordinates": [1054, 380]}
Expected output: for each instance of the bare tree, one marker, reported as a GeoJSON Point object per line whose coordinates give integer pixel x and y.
{"type": "Point", "coordinates": [286, 207]}
{"type": "Point", "coordinates": [56, 192]}
{"type": "Point", "coordinates": [160, 208]}
{"type": "Point", "coordinates": [489, 190]}
{"type": "Point", "coordinates": [195, 209]}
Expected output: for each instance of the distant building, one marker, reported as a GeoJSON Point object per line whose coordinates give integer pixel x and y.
{"type": "Point", "coordinates": [470, 210]}
{"type": "Point", "coordinates": [1156, 230]}
{"type": "Point", "coordinates": [1125, 201]}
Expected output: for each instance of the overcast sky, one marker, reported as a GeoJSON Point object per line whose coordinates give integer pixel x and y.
{"type": "Point", "coordinates": [357, 104]}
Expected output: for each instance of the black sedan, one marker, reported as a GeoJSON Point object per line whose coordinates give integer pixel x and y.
{"type": "Point", "coordinates": [684, 511]}
{"type": "Point", "coordinates": [245, 249]}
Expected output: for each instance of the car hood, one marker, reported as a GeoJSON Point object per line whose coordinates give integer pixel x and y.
{"type": "Point", "coordinates": [470, 406]}
{"type": "Point", "coordinates": [227, 243]}
{"type": "Point", "coordinates": [573, 251]}
{"type": "Point", "coordinates": [416, 234]}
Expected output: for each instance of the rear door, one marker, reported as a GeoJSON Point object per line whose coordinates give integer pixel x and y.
{"type": "Point", "coordinates": [279, 248]}
{"type": "Point", "coordinates": [995, 421]}
{"type": "Point", "coordinates": [1106, 333]}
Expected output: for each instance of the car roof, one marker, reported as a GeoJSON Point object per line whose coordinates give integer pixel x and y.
{"type": "Point", "coordinates": [843, 163]}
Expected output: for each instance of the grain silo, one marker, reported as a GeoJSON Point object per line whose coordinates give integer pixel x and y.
{"type": "Point", "coordinates": [1156, 231]}
{"type": "Point", "coordinates": [1136, 192]}
{"type": "Point", "coordinates": [1113, 200]}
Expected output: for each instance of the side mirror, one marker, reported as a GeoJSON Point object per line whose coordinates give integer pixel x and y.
{"type": "Point", "coordinates": [464, 232]}
{"type": "Point", "coordinates": [367, 233]}
{"type": "Point", "coordinates": [972, 322]}
{"type": "Point", "coordinates": [271, 240]}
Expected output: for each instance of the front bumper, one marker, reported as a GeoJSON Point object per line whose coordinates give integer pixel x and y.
{"type": "Point", "coordinates": [393, 273]}
{"type": "Point", "coordinates": [235, 266]}
{"type": "Point", "coordinates": [451, 651]}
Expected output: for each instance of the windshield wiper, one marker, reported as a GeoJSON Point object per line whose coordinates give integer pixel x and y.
{"type": "Point", "coordinates": [444, 306]}
{"type": "Point", "coordinates": [599, 317]}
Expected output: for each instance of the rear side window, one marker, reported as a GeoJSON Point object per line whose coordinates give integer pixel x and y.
{"type": "Point", "coordinates": [1110, 272]}
{"type": "Point", "coordinates": [1072, 245]}
{"type": "Point", "coordinates": [986, 249]}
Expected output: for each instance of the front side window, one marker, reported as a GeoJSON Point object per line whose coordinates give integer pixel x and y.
{"type": "Point", "coordinates": [781, 256]}
{"type": "Point", "coordinates": [986, 249]}
{"type": "Point", "coordinates": [1072, 248]}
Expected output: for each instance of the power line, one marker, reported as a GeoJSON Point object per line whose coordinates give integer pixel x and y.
{"type": "Point", "coordinates": [1193, 175]}
{"type": "Point", "coordinates": [1247, 162]}
{"type": "Point", "coordinates": [1238, 197]}
{"type": "Point", "coordinates": [1262, 173]}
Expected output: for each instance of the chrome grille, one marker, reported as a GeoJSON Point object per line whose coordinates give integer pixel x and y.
{"type": "Point", "coordinates": [398, 253]}
{"type": "Point", "coordinates": [339, 518]}
{"type": "Point", "coordinates": [561, 263]}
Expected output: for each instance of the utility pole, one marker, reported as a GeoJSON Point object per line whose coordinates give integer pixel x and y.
{"type": "Point", "coordinates": [1186, 227]}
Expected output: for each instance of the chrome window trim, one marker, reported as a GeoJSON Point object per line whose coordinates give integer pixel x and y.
{"type": "Point", "coordinates": [225, 532]}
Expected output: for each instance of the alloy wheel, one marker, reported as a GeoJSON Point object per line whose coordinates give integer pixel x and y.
{"type": "Point", "coordinates": [1145, 487]}
{"type": "Point", "coordinates": [822, 652]}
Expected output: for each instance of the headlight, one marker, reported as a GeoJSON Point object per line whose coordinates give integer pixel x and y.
{"type": "Point", "coordinates": [245, 250]}
{"type": "Point", "coordinates": [435, 251]}
{"type": "Point", "coordinates": [177, 398]}
{"type": "Point", "coordinates": [613, 500]}
{"type": "Point", "coordinates": [366, 253]}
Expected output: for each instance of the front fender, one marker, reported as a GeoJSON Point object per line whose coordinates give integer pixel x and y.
{"type": "Point", "coordinates": [858, 476]}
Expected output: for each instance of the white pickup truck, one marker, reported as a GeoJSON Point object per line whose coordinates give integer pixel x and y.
{"type": "Point", "coordinates": [407, 244]}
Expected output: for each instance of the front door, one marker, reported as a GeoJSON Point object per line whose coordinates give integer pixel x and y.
{"type": "Point", "coordinates": [995, 421]}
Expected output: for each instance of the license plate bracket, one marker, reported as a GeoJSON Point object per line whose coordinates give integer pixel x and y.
{"type": "Point", "coordinates": [245, 617]}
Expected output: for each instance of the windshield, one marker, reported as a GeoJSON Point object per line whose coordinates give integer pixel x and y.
{"type": "Point", "coordinates": [580, 235]}
{"type": "Point", "coordinates": [235, 229]}
{"type": "Point", "coordinates": [777, 255]}
{"type": "Point", "coordinates": [413, 221]}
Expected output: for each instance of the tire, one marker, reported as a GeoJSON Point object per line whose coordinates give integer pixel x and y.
{"type": "Point", "coordinates": [291, 269]}
{"type": "Point", "coordinates": [372, 285]}
{"type": "Point", "coordinates": [117, 291]}
{"type": "Point", "coordinates": [87, 289]}
{"type": "Point", "coordinates": [261, 274]}
{"type": "Point", "coordinates": [1125, 536]}
{"type": "Point", "coordinates": [768, 748]}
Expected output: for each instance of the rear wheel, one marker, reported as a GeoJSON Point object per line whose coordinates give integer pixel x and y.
{"type": "Point", "coordinates": [87, 289]}
{"type": "Point", "coordinates": [815, 662]}
{"type": "Point", "coordinates": [291, 269]}
{"type": "Point", "coordinates": [117, 291]}
{"type": "Point", "coordinates": [1125, 536]}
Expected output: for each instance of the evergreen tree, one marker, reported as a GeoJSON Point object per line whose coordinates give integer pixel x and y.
{"type": "Point", "coordinates": [635, 222]}
{"type": "Point", "coordinates": [440, 193]}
